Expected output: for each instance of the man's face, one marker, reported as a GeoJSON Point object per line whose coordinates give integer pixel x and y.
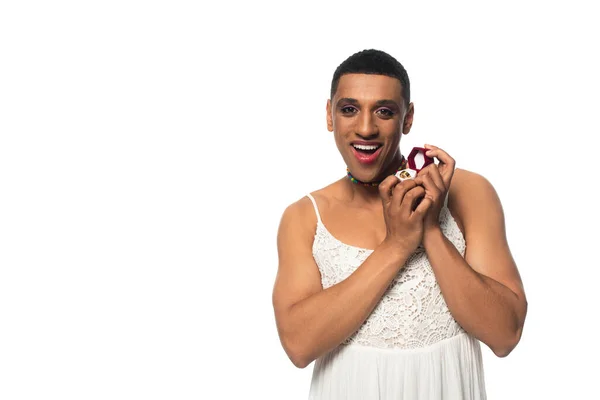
{"type": "Point", "coordinates": [368, 116]}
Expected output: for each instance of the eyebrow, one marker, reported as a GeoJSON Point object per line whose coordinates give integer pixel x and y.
{"type": "Point", "coordinates": [385, 102]}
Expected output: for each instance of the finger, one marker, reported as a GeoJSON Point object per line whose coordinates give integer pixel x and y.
{"type": "Point", "coordinates": [436, 176]}
{"type": "Point", "coordinates": [448, 163]}
{"type": "Point", "coordinates": [399, 191]}
{"type": "Point", "coordinates": [423, 207]}
{"type": "Point", "coordinates": [429, 185]}
{"type": "Point", "coordinates": [444, 157]}
{"type": "Point", "coordinates": [411, 199]}
{"type": "Point", "coordinates": [386, 187]}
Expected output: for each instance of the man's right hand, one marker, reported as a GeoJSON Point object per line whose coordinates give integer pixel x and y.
{"type": "Point", "coordinates": [403, 213]}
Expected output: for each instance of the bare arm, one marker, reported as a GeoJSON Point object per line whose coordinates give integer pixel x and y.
{"type": "Point", "coordinates": [312, 321]}
{"type": "Point", "coordinates": [483, 291]}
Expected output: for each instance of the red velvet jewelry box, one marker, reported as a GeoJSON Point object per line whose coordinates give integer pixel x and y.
{"type": "Point", "coordinates": [417, 160]}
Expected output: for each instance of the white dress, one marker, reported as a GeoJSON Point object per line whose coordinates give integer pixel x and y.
{"type": "Point", "coordinates": [410, 346]}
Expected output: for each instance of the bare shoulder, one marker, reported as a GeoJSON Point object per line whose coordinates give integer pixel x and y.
{"type": "Point", "coordinates": [472, 196]}
{"type": "Point", "coordinates": [300, 214]}
{"type": "Point", "coordinates": [298, 276]}
{"type": "Point", "coordinates": [469, 181]}
{"type": "Point", "coordinates": [324, 195]}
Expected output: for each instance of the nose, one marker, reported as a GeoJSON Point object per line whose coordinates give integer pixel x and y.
{"type": "Point", "coordinates": [365, 125]}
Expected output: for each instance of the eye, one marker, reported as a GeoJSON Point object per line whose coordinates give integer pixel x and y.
{"type": "Point", "coordinates": [385, 112]}
{"type": "Point", "coordinates": [348, 110]}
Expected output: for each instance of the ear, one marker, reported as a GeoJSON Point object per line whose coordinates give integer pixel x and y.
{"type": "Point", "coordinates": [329, 116]}
{"type": "Point", "coordinates": [408, 119]}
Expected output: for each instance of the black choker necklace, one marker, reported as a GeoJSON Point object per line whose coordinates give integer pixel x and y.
{"type": "Point", "coordinates": [354, 180]}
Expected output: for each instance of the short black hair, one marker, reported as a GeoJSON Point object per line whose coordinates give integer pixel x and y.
{"type": "Point", "coordinates": [375, 62]}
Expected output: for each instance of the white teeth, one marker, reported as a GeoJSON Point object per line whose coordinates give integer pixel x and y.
{"type": "Point", "coordinates": [365, 147]}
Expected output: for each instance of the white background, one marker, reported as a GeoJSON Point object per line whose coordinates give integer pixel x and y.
{"type": "Point", "coordinates": [148, 150]}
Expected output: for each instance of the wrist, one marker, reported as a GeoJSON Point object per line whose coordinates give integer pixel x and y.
{"type": "Point", "coordinates": [433, 236]}
{"type": "Point", "coordinates": [396, 250]}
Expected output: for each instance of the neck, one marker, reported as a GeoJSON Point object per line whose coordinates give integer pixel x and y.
{"type": "Point", "coordinates": [370, 194]}
{"type": "Point", "coordinates": [361, 194]}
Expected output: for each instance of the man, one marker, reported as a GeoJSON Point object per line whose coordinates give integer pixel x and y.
{"type": "Point", "coordinates": [389, 285]}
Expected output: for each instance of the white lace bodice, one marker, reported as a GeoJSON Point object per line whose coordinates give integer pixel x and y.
{"type": "Point", "coordinates": [412, 312]}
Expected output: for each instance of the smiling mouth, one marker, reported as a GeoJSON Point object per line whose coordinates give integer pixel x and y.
{"type": "Point", "coordinates": [366, 149]}
{"type": "Point", "coordinates": [366, 153]}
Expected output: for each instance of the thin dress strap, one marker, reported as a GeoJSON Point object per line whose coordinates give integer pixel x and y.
{"type": "Point", "coordinates": [315, 205]}
{"type": "Point", "coordinates": [446, 199]}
